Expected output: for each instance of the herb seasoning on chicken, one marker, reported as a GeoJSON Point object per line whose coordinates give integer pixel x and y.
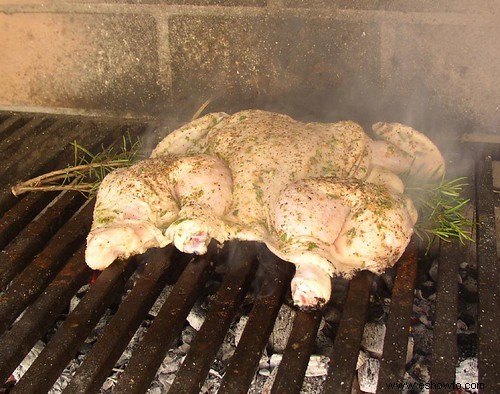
{"type": "Point", "coordinates": [324, 197]}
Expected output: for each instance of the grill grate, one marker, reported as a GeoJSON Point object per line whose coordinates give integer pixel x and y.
{"type": "Point", "coordinates": [42, 268]}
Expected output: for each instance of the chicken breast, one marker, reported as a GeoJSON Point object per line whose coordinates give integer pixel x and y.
{"type": "Point", "coordinates": [325, 197]}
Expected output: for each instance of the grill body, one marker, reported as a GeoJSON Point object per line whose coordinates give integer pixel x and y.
{"type": "Point", "coordinates": [42, 268]}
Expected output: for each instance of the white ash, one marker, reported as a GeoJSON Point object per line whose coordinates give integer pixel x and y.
{"type": "Point", "coordinates": [197, 316]}
{"type": "Point", "coordinates": [317, 365]}
{"type": "Point", "coordinates": [363, 356]}
{"type": "Point", "coordinates": [75, 300]}
{"type": "Point", "coordinates": [268, 367]}
{"type": "Point", "coordinates": [28, 360]}
{"type": "Point", "coordinates": [238, 330]}
{"type": "Point", "coordinates": [282, 328]}
{"type": "Point", "coordinates": [368, 364]}
{"type": "Point", "coordinates": [160, 301]}
{"type": "Point", "coordinates": [467, 372]}
{"type": "Point", "coordinates": [66, 375]}
{"type": "Point", "coordinates": [200, 310]}
{"type": "Point", "coordinates": [368, 375]}
{"type": "Point", "coordinates": [410, 349]}
{"type": "Point", "coordinates": [373, 338]}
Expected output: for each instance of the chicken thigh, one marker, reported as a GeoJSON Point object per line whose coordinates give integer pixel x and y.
{"type": "Point", "coordinates": [325, 197]}
{"type": "Point", "coordinates": [330, 226]}
{"type": "Point", "coordinates": [156, 202]}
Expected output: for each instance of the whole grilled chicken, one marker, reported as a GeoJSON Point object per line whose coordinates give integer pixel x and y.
{"type": "Point", "coordinates": [325, 197]}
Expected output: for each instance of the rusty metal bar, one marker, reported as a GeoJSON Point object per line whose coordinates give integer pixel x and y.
{"type": "Point", "coordinates": [35, 235]}
{"type": "Point", "coordinates": [451, 255]}
{"type": "Point", "coordinates": [245, 360]}
{"type": "Point", "coordinates": [488, 280]}
{"type": "Point", "coordinates": [41, 147]}
{"type": "Point", "coordinates": [10, 143]}
{"type": "Point", "coordinates": [3, 117]}
{"type": "Point", "coordinates": [100, 360]}
{"type": "Point", "coordinates": [20, 216]}
{"type": "Point", "coordinates": [69, 337]}
{"type": "Point", "coordinates": [31, 282]}
{"type": "Point", "coordinates": [444, 348]}
{"type": "Point", "coordinates": [392, 366]}
{"type": "Point", "coordinates": [196, 365]}
{"type": "Point", "coordinates": [345, 352]}
{"type": "Point", "coordinates": [293, 366]}
{"type": "Point", "coordinates": [29, 162]}
{"type": "Point", "coordinates": [13, 122]}
{"type": "Point", "coordinates": [36, 320]}
{"type": "Point", "coordinates": [165, 328]}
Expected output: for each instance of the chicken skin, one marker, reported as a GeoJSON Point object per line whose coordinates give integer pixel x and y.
{"type": "Point", "coordinates": [325, 197]}
{"type": "Point", "coordinates": [156, 202]}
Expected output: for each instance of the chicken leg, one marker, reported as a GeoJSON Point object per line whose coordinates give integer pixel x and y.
{"type": "Point", "coordinates": [156, 202]}
{"type": "Point", "coordinates": [330, 226]}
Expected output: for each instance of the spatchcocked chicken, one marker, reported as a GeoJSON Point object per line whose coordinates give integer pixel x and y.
{"type": "Point", "coordinates": [325, 197]}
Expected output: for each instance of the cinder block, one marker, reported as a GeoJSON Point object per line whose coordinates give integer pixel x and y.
{"type": "Point", "coordinates": [455, 65]}
{"type": "Point", "coordinates": [225, 3]}
{"type": "Point", "coordinates": [105, 62]}
{"type": "Point", "coordinates": [428, 6]}
{"type": "Point", "coordinates": [274, 60]}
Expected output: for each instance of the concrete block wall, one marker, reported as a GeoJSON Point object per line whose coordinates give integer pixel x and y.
{"type": "Point", "coordinates": [435, 66]}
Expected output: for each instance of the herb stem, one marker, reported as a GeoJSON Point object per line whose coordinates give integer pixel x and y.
{"type": "Point", "coordinates": [87, 172]}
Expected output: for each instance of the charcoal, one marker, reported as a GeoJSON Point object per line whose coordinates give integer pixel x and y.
{"type": "Point", "coordinates": [373, 338]}
{"type": "Point", "coordinates": [368, 375]}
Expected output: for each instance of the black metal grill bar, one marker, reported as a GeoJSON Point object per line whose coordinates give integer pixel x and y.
{"type": "Point", "coordinates": [255, 336]}
{"type": "Point", "coordinates": [35, 235]}
{"type": "Point", "coordinates": [445, 349]}
{"type": "Point", "coordinates": [41, 147]}
{"type": "Point", "coordinates": [32, 280]}
{"type": "Point", "coordinates": [36, 158]}
{"type": "Point", "coordinates": [106, 351]}
{"type": "Point", "coordinates": [19, 167]}
{"type": "Point", "coordinates": [488, 280]}
{"type": "Point", "coordinates": [39, 316]}
{"type": "Point", "coordinates": [346, 347]}
{"type": "Point", "coordinates": [392, 366]}
{"type": "Point", "coordinates": [12, 123]}
{"type": "Point", "coordinates": [165, 328]}
{"type": "Point", "coordinates": [451, 255]}
{"type": "Point", "coordinates": [67, 340]}
{"type": "Point", "coordinates": [20, 216]}
{"type": "Point", "coordinates": [196, 365]}
{"type": "Point", "coordinates": [10, 144]}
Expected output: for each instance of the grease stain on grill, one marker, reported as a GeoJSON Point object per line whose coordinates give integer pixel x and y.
{"type": "Point", "coordinates": [224, 322]}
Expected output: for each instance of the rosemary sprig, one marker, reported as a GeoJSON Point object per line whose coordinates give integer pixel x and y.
{"type": "Point", "coordinates": [441, 209]}
{"type": "Point", "coordinates": [88, 170]}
